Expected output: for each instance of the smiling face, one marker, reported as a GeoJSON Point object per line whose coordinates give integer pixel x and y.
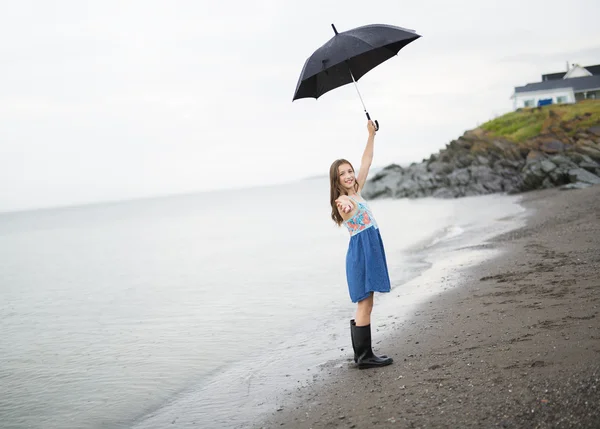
{"type": "Point", "coordinates": [346, 177]}
{"type": "Point", "coordinates": [341, 182]}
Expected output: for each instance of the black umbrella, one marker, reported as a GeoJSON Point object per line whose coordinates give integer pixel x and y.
{"type": "Point", "coordinates": [348, 56]}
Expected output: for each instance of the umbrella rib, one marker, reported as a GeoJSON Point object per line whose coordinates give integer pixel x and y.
{"type": "Point", "coordinates": [354, 37]}
{"type": "Point", "coordinates": [367, 43]}
{"type": "Point", "coordinates": [373, 47]}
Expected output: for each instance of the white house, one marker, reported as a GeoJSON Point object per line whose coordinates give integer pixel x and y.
{"type": "Point", "coordinates": [576, 84]}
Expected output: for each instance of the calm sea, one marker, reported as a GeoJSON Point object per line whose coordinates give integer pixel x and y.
{"type": "Point", "coordinates": [196, 310]}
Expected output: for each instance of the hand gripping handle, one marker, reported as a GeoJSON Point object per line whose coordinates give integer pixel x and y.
{"type": "Point", "coordinates": [376, 122]}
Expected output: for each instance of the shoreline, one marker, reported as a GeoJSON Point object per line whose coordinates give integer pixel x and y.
{"type": "Point", "coordinates": [513, 342]}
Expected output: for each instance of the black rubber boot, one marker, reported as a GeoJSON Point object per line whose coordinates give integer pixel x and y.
{"type": "Point", "coordinates": [365, 358]}
{"type": "Point", "coordinates": [352, 327]}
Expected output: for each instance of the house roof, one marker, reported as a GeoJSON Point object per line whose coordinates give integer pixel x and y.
{"type": "Point", "coordinates": [576, 71]}
{"type": "Point", "coordinates": [553, 76]}
{"type": "Point", "coordinates": [595, 70]}
{"type": "Point", "coordinates": [577, 83]}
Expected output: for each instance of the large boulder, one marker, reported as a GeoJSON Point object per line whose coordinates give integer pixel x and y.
{"type": "Point", "coordinates": [563, 162]}
{"type": "Point", "coordinates": [547, 166]}
{"type": "Point", "coordinates": [437, 167]}
{"type": "Point", "coordinates": [584, 176]}
{"type": "Point", "coordinates": [552, 146]}
{"type": "Point", "coordinates": [444, 193]}
{"type": "Point", "coordinates": [533, 175]}
{"type": "Point", "coordinates": [459, 177]}
{"type": "Point", "coordinates": [589, 164]}
{"type": "Point", "coordinates": [595, 130]}
{"type": "Point", "coordinates": [487, 178]}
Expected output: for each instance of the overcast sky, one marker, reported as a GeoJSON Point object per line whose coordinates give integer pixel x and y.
{"type": "Point", "coordinates": [104, 100]}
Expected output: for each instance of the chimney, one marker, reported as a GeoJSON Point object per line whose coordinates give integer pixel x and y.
{"type": "Point", "coordinates": [568, 66]}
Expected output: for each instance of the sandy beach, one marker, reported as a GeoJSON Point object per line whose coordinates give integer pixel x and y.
{"type": "Point", "coordinates": [516, 344]}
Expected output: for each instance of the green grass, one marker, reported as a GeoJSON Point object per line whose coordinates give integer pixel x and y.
{"type": "Point", "coordinates": [524, 124]}
{"type": "Point", "coordinates": [580, 109]}
{"type": "Point", "coordinates": [517, 126]}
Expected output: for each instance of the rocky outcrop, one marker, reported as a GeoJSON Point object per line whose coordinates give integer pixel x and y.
{"type": "Point", "coordinates": [479, 163]}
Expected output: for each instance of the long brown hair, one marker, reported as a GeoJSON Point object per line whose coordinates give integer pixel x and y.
{"type": "Point", "coordinates": [335, 188]}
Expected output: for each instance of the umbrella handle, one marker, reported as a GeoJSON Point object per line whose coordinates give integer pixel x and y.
{"type": "Point", "coordinates": [376, 121]}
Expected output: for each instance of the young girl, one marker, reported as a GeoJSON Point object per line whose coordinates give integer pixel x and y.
{"type": "Point", "coordinates": [366, 266]}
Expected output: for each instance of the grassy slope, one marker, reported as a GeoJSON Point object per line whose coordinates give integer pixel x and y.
{"type": "Point", "coordinates": [523, 124]}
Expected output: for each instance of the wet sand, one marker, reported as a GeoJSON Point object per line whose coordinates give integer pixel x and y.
{"type": "Point", "coordinates": [515, 345]}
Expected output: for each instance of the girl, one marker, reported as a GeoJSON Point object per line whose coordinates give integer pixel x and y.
{"type": "Point", "coordinates": [366, 266]}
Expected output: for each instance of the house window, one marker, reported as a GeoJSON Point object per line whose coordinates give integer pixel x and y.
{"type": "Point", "coordinates": [529, 103]}
{"type": "Point", "coordinates": [562, 99]}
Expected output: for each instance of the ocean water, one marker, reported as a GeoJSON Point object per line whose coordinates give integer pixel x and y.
{"type": "Point", "coordinates": [198, 310]}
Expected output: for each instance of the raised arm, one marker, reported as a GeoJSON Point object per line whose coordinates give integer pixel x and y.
{"type": "Point", "coordinates": [367, 157]}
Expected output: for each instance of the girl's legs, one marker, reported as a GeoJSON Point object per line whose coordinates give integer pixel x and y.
{"type": "Point", "coordinates": [363, 311]}
{"type": "Point", "coordinates": [361, 337]}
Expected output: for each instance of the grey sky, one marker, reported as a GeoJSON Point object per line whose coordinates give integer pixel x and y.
{"type": "Point", "coordinates": [103, 100]}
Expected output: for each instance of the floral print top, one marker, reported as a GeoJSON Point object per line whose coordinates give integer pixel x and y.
{"type": "Point", "coordinates": [362, 219]}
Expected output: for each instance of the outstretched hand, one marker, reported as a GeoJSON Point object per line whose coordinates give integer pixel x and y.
{"type": "Point", "coordinates": [343, 205]}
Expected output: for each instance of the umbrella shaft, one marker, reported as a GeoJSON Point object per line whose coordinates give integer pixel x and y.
{"type": "Point", "coordinates": [358, 92]}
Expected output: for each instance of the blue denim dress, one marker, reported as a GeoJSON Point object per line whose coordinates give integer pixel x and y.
{"type": "Point", "coordinates": [366, 265]}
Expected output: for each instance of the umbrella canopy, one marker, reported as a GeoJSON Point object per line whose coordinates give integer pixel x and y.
{"type": "Point", "coordinates": [348, 56]}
